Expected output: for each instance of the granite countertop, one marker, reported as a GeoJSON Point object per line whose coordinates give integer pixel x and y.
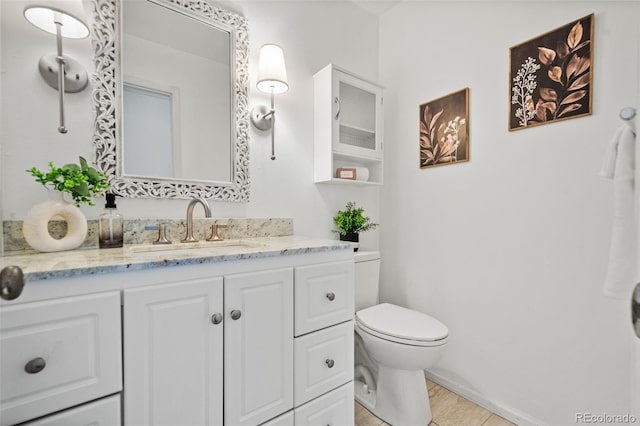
{"type": "Point", "coordinates": [139, 257]}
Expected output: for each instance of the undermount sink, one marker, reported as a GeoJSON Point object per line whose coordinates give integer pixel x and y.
{"type": "Point", "coordinates": [188, 248]}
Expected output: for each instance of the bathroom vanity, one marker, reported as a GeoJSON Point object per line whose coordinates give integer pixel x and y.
{"type": "Point", "coordinates": [246, 334]}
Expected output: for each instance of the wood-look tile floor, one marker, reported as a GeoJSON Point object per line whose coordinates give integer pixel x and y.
{"type": "Point", "coordinates": [447, 408]}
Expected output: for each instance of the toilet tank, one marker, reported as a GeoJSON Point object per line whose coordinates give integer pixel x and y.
{"type": "Point", "coordinates": [367, 278]}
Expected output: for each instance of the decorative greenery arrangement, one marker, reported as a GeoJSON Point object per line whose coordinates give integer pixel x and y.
{"type": "Point", "coordinates": [352, 220]}
{"type": "Point", "coordinates": [81, 181]}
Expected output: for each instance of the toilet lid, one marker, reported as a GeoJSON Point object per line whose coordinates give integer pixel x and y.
{"type": "Point", "coordinates": [402, 323]}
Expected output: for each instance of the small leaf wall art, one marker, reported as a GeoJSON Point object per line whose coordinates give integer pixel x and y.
{"type": "Point", "coordinates": [550, 76]}
{"type": "Point", "coordinates": [444, 130]}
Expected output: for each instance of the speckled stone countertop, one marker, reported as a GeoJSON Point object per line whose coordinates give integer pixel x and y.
{"type": "Point", "coordinates": [139, 257]}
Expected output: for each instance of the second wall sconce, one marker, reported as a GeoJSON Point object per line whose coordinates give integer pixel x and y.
{"type": "Point", "coordinates": [272, 79]}
{"type": "Point", "coordinates": [60, 72]}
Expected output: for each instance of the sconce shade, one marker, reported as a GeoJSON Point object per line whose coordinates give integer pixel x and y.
{"type": "Point", "coordinates": [272, 74]}
{"type": "Point", "coordinates": [45, 18]}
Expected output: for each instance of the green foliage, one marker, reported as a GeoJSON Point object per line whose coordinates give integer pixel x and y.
{"type": "Point", "coordinates": [352, 220]}
{"type": "Point", "coordinates": [81, 181]}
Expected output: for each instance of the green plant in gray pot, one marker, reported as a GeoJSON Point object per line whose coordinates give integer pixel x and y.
{"type": "Point", "coordinates": [351, 222]}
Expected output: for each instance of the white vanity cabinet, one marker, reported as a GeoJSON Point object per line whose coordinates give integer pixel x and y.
{"type": "Point", "coordinates": [348, 115]}
{"type": "Point", "coordinates": [202, 344]}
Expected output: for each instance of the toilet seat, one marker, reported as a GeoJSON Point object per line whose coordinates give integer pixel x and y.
{"type": "Point", "coordinates": [401, 325]}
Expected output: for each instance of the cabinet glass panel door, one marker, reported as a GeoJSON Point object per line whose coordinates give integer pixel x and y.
{"type": "Point", "coordinates": [357, 117]}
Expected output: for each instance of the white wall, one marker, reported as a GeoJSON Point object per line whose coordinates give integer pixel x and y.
{"type": "Point", "coordinates": [509, 249]}
{"type": "Point", "coordinates": [312, 35]}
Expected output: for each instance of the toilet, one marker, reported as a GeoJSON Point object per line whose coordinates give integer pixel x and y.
{"type": "Point", "coordinates": [394, 345]}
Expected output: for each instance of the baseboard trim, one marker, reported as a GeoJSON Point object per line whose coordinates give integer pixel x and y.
{"type": "Point", "coordinates": [514, 416]}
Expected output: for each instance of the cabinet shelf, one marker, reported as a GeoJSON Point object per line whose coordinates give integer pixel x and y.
{"type": "Point", "coordinates": [339, 156]}
{"type": "Point", "coordinates": [359, 129]}
{"type": "Point", "coordinates": [351, 182]}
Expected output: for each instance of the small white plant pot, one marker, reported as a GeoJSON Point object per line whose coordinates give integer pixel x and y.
{"type": "Point", "coordinates": [35, 226]}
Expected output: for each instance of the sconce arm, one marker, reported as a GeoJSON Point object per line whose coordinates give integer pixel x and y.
{"type": "Point", "coordinates": [264, 119]}
{"type": "Point", "coordinates": [60, 60]}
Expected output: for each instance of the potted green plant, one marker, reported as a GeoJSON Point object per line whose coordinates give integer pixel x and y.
{"type": "Point", "coordinates": [79, 180]}
{"type": "Point", "coordinates": [351, 222]}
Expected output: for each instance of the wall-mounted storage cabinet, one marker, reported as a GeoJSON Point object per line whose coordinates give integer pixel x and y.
{"type": "Point", "coordinates": [348, 114]}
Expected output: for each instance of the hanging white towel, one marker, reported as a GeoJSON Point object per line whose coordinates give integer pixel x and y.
{"type": "Point", "coordinates": [635, 124]}
{"type": "Point", "coordinates": [620, 165]}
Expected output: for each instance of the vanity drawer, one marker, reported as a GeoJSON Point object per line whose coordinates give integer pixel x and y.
{"type": "Point", "coordinates": [323, 361]}
{"type": "Point", "coordinates": [103, 412]}
{"type": "Point", "coordinates": [285, 419]}
{"type": "Point", "coordinates": [323, 296]}
{"type": "Point", "coordinates": [58, 353]}
{"type": "Point", "coordinates": [336, 408]}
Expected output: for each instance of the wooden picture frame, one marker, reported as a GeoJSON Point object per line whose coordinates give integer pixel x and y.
{"type": "Point", "coordinates": [550, 76]}
{"type": "Point", "coordinates": [444, 130]}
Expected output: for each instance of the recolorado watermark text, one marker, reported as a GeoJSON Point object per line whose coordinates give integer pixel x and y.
{"type": "Point", "coordinates": [605, 418]}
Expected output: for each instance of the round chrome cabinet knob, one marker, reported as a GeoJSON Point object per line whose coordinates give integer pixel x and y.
{"type": "Point", "coordinates": [216, 318]}
{"type": "Point", "coordinates": [236, 314]}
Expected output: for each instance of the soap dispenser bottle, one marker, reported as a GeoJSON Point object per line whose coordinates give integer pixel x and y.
{"type": "Point", "coordinates": [110, 233]}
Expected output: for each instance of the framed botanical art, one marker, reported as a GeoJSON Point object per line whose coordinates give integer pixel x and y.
{"type": "Point", "coordinates": [550, 76]}
{"type": "Point", "coordinates": [444, 130]}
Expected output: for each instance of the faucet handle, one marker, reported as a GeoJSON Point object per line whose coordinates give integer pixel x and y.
{"type": "Point", "coordinates": [162, 234]}
{"type": "Point", "coordinates": [214, 233]}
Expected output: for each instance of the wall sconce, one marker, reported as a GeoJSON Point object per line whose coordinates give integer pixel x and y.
{"type": "Point", "coordinates": [272, 79]}
{"type": "Point", "coordinates": [60, 72]}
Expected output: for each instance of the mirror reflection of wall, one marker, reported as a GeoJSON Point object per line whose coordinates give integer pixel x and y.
{"type": "Point", "coordinates": [149, 119]}
{"type": "Point", "coordinates": [177, 104]}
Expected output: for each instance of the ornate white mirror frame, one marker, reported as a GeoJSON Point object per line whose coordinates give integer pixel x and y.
{"type": "Point", "coordinates": [107, 103]}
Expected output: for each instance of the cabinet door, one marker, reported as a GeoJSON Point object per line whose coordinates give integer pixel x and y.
{"type": "Point", "coordinates": [357, 124]}
{"type": "Point", "coordinates": [173, 354]}
{"type": "Point", "coordinates": [258, 346]}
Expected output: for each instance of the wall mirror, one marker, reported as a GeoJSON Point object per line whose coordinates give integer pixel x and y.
{"type": "Point", "coordinates": [171, 101]}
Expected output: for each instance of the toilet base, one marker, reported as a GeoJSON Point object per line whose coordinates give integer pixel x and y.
{"type": "Point", "coordinates": [401, 397]}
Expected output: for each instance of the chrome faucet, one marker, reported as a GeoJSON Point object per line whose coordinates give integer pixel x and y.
{"type": "Point", "coordinates": [207, 212]}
